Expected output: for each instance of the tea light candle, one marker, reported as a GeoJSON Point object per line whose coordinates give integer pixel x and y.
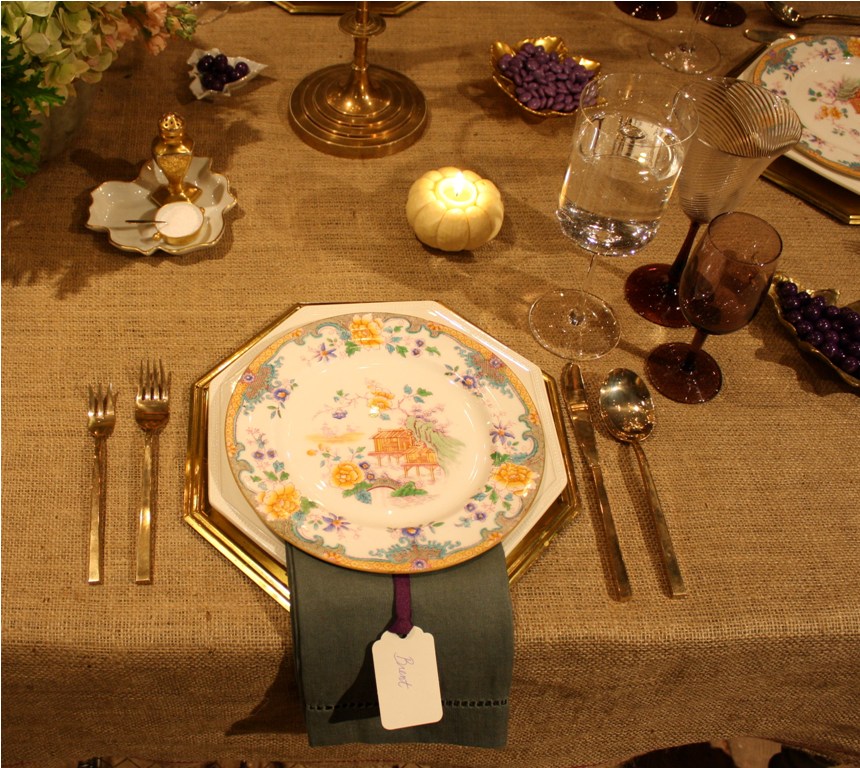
{"type": "Point", "coordinates": [178, 223]}
{"type": "Point", "coordinates": [454, 210]}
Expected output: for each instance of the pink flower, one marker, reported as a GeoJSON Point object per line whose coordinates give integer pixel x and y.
{"type": "Point", "coordinates": [125, 31]}
{"type": "Point", "coordinates": [157, 43]}
{"type": "Point", "coordinates": [156, 15]}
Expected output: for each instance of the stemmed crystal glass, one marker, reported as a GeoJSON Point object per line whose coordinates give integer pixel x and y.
{"type": "Point", "coordinates": [722, 287]}
{"type": "Point", "coordinates": [723, 14]}
{"type": "Point", "coordinates": [650, 11]}
{"type": "Point", "coordinates": [686, 50]}
{"type": "Point", "coordinates": [628, 148]}
{"type": "Point", "coordinates": [742, 129]}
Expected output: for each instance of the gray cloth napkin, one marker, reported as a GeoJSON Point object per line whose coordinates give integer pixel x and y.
{"type": "Point", "coordinates": [338, 613]}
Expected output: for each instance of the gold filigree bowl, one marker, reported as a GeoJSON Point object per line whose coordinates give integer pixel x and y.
{"type": "Point", "coordinates": [551, 44]}
{"type": "Point", "coordinates": [831, 296]}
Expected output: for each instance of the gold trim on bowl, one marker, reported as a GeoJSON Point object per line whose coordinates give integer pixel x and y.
{"type": "Point", "coordinates": [270, 575]}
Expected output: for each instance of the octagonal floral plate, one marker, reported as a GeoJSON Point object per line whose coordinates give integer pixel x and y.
{"type": "Point", "coordinates": [385, 442]}
{"type": "Point", "coordinates": [820, 77]}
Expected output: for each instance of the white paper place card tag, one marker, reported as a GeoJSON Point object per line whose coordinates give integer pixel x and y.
{"type": "Point", "coordinates": [407, 679]}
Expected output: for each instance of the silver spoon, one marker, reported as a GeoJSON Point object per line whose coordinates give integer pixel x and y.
{"type": "Point", "coordinates": [628, 413]}
{"type": "Point", "coordinates": [768, 36]}
{"type": "Point", "coordinates": [792, 18]}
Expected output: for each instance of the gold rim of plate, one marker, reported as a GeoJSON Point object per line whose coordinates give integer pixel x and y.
{"type": "Point", "coordinates": [269, 574]}
{"type": "Point", "coordinates": [551, 44]}
{"type": "Point", "coordinates": [831, 295]}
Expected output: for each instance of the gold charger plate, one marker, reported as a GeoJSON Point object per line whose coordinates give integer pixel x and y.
{"type": "Point", "coordinates": [269, 574]}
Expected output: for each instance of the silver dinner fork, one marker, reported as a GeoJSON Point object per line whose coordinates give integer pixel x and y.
{"type": "Point", "coordinates": [151, 412]}
{"type": "Point", "coordinates": [101, 418]}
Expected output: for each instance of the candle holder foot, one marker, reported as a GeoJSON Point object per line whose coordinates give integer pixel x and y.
{"type": "Point", "coordinates": [357, 109]}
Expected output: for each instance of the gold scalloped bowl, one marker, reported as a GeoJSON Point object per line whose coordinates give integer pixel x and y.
{"type": "Point", "coordinates": [551, 44]}
{"type": "Point", "coordinates": [831, 296]}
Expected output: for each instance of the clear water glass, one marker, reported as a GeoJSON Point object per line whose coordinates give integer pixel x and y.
{"type": "Point", "coordinates": [629, 144]}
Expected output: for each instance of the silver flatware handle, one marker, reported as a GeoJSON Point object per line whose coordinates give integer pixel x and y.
{"type": "Point", "coordinates": [677, 588]}
{"type": "Point", "coordinates": [143, 569]}
{"type": "Point", "coordinates": [620, 579]}
{"type": "Point", "coordinates": [835, 17]}
{"type": "Point", "coordinates": [97, 510]}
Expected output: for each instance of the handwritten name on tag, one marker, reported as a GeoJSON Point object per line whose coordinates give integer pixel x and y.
{"type": "Point", "coordinates": [407, 679]}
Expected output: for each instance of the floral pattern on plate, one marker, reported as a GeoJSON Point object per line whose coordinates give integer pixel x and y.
{"type": "Point", "coordinates": [385, 443]}
{"type": "Point", "coordinates": [820, 77]}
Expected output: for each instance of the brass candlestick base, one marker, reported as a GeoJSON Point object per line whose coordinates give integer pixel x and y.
{"type": "Point", "coordinates": [358, 110]}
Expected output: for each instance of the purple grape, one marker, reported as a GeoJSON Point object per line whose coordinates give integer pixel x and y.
{"type": "Point", "coordinates": [803, 327]}
{"type": "Point", "coordinates": [790, 302]}
{"type": "Point", "coordinates": [242, 68]}
{"type": "Point", "coordinates": [850, 317]}
{"type": "Point", "coordinates": [205, 63]}
{"type": "Point", "coordinates": [221, 63]}
{"type": "Point", "coordinates": [851, 365]}
{"type": "Point", "coordinates": [813, 337]}
{"type": "Point", "coordinates": [828, 350]}
{"type": "Point", "coordinates": [231, 76]}
{"type": "Point", "coordinates": [852, 348]}
{"type": "Point", "coordinates": [812, 311]}
{"type": "Point", "coordinates": [213, 82]}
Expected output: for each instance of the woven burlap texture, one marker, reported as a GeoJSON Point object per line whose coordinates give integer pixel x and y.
{"type": "Point", "coordinates": [760, 486]}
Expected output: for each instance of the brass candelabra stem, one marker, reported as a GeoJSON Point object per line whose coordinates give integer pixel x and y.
{"type": "Point", "coordinates": [358, 109]}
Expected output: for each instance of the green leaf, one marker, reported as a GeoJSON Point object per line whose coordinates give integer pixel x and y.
{"type": "Point", "coordinates": [22, 94]}
{"type": "Point", "coordinates": [409, 489]}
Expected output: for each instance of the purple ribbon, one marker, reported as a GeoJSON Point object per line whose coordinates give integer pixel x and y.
{"type": "Point", "coordinates": [402, 605]}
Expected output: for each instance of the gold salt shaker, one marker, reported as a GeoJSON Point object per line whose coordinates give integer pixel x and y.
{"type": "Point", "coordinates": [172, 151]}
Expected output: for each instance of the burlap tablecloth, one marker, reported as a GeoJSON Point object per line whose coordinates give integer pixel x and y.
{"type": "Point", "coordinates": [760, 485]}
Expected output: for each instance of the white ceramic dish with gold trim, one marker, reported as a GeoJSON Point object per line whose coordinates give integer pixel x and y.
{"type": "Point", "coordinates": [114, 203]}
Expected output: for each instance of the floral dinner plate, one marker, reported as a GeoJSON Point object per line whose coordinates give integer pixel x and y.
{"type": "Point", "coordinates": [385, 442]}
{"type": "Point", "coordinates": [820, 77]}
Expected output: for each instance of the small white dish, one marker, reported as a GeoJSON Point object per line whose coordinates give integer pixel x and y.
{"type": "Point", "coordinates": [115, 202]}
{"type": "Point", "coordinates": [254, 69]}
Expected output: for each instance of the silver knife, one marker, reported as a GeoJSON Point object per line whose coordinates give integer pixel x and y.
{"type": "Point", "coordinates": [573, 391]}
